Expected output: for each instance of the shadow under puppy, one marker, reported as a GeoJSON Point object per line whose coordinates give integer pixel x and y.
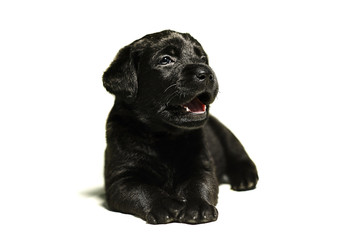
{"type": "Point", "coordinates": [165, 155]}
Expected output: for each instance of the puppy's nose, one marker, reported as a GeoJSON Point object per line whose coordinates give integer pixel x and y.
{"type": "Point", "coordinates": [203, 74]}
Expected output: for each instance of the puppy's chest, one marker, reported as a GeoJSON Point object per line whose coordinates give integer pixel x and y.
{"type": "Point", "coordinates": [178, 151]}
{"type": "Point", "coordinates": [177, 159]}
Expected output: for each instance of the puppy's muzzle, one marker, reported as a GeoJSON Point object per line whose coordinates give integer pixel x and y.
{"type": "Point", "coordinates": [199, 79]}
{"type": "Point", "coordinates": [200, 73]}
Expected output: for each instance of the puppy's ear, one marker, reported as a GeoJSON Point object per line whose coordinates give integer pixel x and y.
{"type": "Point", "coordinates": [120, 78]}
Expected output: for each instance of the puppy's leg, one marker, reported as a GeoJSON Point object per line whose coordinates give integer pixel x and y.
{"type": "Point", "coordinates": [143, 200]}
{"type": "Point", "coordinates": [200, 193]}
{"type": "Point", "coordinates": [240, 169]}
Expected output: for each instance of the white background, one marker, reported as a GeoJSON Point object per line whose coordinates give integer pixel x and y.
{"type": "Point", "coordinates": [282, 70]}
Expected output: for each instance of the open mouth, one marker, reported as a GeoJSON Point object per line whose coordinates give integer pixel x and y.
{"type": "Point", "coordinates": [195, 106]}
{"type": "Point", "coordinates": [192, 113]}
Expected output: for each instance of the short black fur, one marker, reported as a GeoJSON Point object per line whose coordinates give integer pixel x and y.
{"type": "Point", "coordinates": [165, 155]}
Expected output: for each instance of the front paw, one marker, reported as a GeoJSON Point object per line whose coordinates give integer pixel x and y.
{"type": "Point", "coordinates": [243, 176]}
{"type": "Point", "coordinates": [164, 211]}
{"type": "Point", "coordinates": [198, 211]}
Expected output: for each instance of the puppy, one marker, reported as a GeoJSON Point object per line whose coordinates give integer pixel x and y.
{"type": "Point", "coordinates": [165, 155]}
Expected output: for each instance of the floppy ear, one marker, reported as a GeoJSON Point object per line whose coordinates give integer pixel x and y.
{"type": "Point", "coordinates": [120, 78]}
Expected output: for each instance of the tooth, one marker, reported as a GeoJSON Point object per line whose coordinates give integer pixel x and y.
{"type": "Point", "coordinates": [187, 109]}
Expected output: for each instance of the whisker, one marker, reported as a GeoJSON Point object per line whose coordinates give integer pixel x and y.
{"type": "Point", "coordinates": [172, 96]}
{"type": "Point", "coordinates": [173, 85]}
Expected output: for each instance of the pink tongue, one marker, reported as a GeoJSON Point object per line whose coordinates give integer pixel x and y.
{"type": "Point", "coordinates": [196, 106]}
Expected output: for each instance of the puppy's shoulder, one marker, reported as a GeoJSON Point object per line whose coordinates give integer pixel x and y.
{"type": "Point", "coordinates": [214, 127]}
{"type": "Point", "coordinates": [213, 122]}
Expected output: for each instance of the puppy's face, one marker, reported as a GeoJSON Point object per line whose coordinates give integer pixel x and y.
{"type": "Point", "coordinates": [164, 78]}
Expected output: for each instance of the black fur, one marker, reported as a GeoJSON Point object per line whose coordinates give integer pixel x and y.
{"type": "Point", "coordinates": [165, 155]}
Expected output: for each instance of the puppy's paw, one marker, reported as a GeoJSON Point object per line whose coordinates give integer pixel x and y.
{"type": "Point", "coordinates": [243, 176]}
{"type": "Point", "coordinates": [164, 211]}
{"type": "Point", "coordinates": [198, 211]}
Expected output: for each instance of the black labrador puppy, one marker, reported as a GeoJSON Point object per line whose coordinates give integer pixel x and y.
{"type": "Point", "coordinates": [165, 155]}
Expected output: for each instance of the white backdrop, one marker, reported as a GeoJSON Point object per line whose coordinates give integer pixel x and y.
{"type": "Point", "coordinates": [282, 70]}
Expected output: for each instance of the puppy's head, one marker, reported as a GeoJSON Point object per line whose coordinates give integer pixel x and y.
{"type": "Point", "coordinates": [163, 78]}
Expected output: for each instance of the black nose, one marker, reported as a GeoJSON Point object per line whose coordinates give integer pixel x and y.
{"type": "Point", "coordinates": [203, 74]}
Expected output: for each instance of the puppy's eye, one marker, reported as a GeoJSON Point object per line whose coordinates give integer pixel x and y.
{"type": "Point", "coordinates": [166, 60]}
